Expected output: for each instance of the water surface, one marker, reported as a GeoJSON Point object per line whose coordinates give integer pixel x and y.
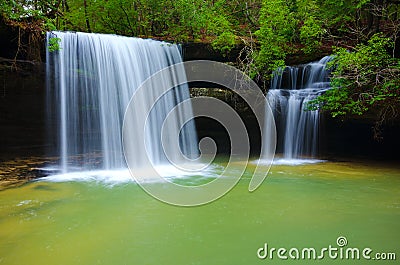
{"type": "Point", "coordinates": [311, 205]}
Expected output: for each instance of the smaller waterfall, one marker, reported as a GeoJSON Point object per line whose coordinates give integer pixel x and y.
{"type": "Point", "coordinates": [291, 89]}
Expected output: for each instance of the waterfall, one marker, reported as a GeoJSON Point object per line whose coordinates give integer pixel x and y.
{"type": "Point", "coordinates": [90, 81]}
{"type": "Point", "coordinates": [291, 89]}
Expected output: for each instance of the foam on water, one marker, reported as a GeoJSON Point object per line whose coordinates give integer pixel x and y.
{"type": "Point", "coordinates": [290, 162]}
{"type": "Point", "coordinates": [296, 162]}
{"type": "Point", "coordinates": [120, 176]}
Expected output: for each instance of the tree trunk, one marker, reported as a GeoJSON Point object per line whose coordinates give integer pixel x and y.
{"type": "Point", "coordinates": [86, 16]}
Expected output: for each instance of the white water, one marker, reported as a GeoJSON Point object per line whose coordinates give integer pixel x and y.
{"type": "Point", "coordinates": [120, 176]}
{"type": "Point", "coordinates": [298, 129]}
{"type": "Point", "coordinates": [90, 82]}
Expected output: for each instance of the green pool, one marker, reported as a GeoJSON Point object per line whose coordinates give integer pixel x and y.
{"type": "Point", "coordinates": [304, 206]}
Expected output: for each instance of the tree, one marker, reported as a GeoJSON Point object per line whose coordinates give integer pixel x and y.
{"type": "Point", "coordinates": [365, 80]}
{"type": "Point", "coordinates": [178, 20]}
{"type": "Point", "coordinates": [277, 27]}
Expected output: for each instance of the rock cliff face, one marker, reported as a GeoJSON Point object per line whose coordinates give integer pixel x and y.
{"type": "Point", "coordinates": [204, 51]}
{"type": "Point", "coordinates": [8, 40]}
{"type": "Point", "coordinates": [354, 138]}
{"type": "Point", "coordinates": [22, 109]}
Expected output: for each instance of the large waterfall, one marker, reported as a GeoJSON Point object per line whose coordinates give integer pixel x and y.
{"type": "Point", "coordinates": [291, 89]}
{"type": "Point", "coordinates": [91, 79]}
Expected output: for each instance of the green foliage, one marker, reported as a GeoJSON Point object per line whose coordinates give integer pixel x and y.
{"type": "Point", "coordinates": [301, 26]}
{"type": "Point", "coordinates": [311, 34]}
{"type": "Point", "coordinates": [54, 44]}
{"type": "Point", "coordinates": [22, 10]}
{"type": "Point", "coordinates": [218, 22]}
{"type": "Point", "coordinates": [277, 27]}
{"type": "Point", "coordinates": [366, 78]}
{"type": "Point", "coordinates": [224, 42]}
{"type": "Point", "coordinates": [178, 20]}
{"type": "Point", "coordinates": [335, 13]}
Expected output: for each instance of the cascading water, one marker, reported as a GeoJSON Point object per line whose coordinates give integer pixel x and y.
{"type": "Point", "coordinates": [90, 82]}
{"type": "Point", "coordinates": [291, 89]}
